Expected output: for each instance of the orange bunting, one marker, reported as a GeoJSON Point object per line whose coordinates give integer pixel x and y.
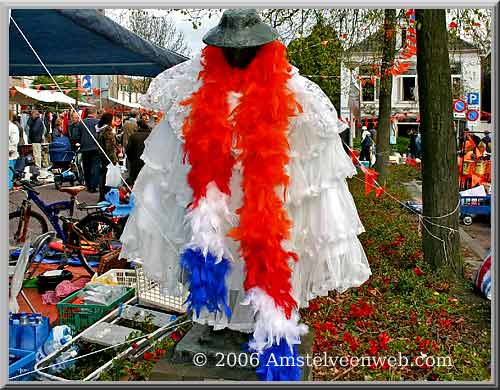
{"type": "Point", "coordinates": [259, 126]}
{"type": "Point", "coordinates": [370, 179]}
{"type": "Point", "coordinates": [379, 191]}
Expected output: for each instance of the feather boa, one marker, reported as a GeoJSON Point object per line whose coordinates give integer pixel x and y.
{"type": "Point", "coordinates": [257, 129]}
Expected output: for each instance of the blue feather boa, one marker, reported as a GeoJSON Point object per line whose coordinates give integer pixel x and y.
{"type": "Point", "coordinates": [207, 282]}
{"type": "Point", "coordinates": [280, 363]}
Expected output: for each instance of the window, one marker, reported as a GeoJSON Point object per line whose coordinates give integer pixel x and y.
{"type": "Point", "coordinates": [408, 88]}
{"type": "Point", "coordinates": [456, 86]}
{"type": "Point", "coordinates": [370, 89]}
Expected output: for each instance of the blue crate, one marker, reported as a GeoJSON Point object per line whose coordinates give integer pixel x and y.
{"type": "Point", "coordinates": [28, 337]}
{"type": "Point", "coordinates": [24, 363]}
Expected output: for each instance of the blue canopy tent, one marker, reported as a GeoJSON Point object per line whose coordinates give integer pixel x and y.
{"type": "Point", "coordinates": [81, 41]}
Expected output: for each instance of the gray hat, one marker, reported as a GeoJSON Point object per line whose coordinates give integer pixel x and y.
{"type": "Point", "coordinates": [239, 28]}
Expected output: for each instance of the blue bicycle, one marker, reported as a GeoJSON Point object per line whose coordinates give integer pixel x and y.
{"type": "Point", "coordinates": [93, 235]}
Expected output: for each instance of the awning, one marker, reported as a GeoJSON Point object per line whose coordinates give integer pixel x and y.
{"type": "Point", "coordinates": [29, 96]}
{"type": "Point", "coordinates": [81, 41]}
{"type": "Point", "coordinates": [118, 102]}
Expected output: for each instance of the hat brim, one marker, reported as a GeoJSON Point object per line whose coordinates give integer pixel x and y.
{"type": "Point", "coordinates": [252, 36]}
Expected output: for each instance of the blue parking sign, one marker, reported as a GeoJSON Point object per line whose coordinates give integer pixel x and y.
{"type": "Point", "coordinates": [473, 98]}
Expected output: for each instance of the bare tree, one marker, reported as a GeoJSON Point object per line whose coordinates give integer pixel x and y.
{"type": "Point", "coordinates": [157, 29]}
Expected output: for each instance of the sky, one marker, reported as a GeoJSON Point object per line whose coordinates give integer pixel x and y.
{"type": "Point", "coordinates": [193, 37]}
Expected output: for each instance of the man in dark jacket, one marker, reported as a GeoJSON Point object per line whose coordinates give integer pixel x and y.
{"type": "Point", "coordinates": [90, 150]}
{"type": "Point", "coordinates": [36, 129]}
{"type": "Point", "coordinates": [135, 148]}
{"type": "Point", "coordinates": [74, 130]}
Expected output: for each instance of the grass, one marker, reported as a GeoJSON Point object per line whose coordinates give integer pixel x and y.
{"type": "Point", "coordinates": [404, 307]}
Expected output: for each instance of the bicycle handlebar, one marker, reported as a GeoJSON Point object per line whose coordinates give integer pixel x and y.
{"type": "Point", "coordinates": [27, 186]}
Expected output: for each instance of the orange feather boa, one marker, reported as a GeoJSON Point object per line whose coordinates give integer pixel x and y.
{"type": "Point", "coordinates": [257, 128]}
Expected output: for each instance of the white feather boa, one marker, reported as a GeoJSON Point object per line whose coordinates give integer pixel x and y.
{"type": "Point", "coordinates": [271, 324]}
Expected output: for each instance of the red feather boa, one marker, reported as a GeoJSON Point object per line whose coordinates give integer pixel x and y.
{"type": "Point", "coordinates": [258, 126]}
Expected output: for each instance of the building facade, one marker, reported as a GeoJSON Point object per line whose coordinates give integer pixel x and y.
{"type": "Point", "coordinates": [465, 64]}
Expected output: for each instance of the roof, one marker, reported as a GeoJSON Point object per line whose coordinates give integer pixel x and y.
{"type": "Point", "coordinates": [30, 96]}
{"type": "Point", "coordinates": [81, 41]}
{"type": "Point", "coordinates": [374, 43]}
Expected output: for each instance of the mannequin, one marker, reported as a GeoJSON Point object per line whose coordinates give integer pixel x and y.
{"type": "Point", "coordinates": [240, 57]}
{"type": "Point", "coordinates": [271, 223]}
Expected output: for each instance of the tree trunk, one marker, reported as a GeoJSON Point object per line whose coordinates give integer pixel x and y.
{"type": "Point", "coordinates": [385, 98]}
{"type": "Point", "coordinates": [440, 196]}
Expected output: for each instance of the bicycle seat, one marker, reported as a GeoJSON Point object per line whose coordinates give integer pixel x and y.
{"type": "Point", "coordinates": [73, 191]}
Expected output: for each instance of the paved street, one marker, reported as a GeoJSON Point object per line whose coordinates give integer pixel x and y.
{"type": "Point", "coordinates": [477, 237]}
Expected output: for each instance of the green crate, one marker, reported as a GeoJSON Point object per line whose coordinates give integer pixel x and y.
{"type": "Point", "coordinates": [80, 317]}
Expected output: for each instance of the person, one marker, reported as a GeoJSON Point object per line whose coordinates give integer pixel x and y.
{"type": "Point", "coordinates": [58, 131]}
{"type": "Point", "coordinates": [36, 130]}
{"type": "Point", "coordinates": [366, 144]}
{"type": "Point", "coordinates": [17, 122]}
{"type": "Point", "coordinates": [135, 148]}
{"type": "Point", "coordinates": [74, 130]}
{"type": "Point", "coordinates": [129, 127]}
{"type": "Point", "coordinates": [418, 145]}
{"type": "Point", "coordinates": [487, 141]}
{"type": "Point", "coordinates": [89, 150]}
{"type": "Point", "coordinates": [107, 141]}
{"type": "Point", "coordinates": [13, 145]}
{"type": "Point", "coordinates": [413, 144]}
{"type": "Point", "coordinates": [373, 134]}
{"type": "Point", "coordinates": [276, 177]}
{"type": "Point", "coordinates": [145, 119]}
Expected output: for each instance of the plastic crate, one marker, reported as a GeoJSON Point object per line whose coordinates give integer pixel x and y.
{"type": "Point", "coordinates": [25, 360]}
{"type": "Point", "coordinates": [124, 277]}
{"type": "Point", "coordinates": [81, 316]}
{"type": "Point", "coordinates": [149, 294]}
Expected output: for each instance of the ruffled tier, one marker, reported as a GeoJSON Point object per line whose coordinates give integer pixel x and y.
{"type": "Point", "coordinates": [325, 219]}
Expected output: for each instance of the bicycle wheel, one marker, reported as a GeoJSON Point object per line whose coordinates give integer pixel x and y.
{"type": "Point", "coordinates": [98, 233]}
{"type": "Point", "coordinates": [97, 226]}
{"type": "Point", "coordinates": [19, 229]}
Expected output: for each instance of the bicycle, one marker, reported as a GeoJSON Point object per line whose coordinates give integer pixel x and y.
{"type": "Point", "coordinates": [92, 235]}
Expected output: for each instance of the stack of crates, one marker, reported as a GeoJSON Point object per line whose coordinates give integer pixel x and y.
{"type": "Point", "coordinates": [27, 333]}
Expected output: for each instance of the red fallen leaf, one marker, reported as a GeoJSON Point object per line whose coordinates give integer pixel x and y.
{"type": "Point", "coordinates": [148, 356]}
{"type": "Point", "coordinates": [383, 340]}
{"type": "Point", "coordinates": [329, 327]}
{"type": "Point", "coordinates": [453, 25]}
{"type": "Point", "coordinates": [413, 317]}
{"type": "Point", "coordinates": [360, 310]}
{"type": "Point", "coordinates": [445, 323]}
{"type": "Point", "coordinates": [373, 347]}
{"type": "Point", "coordinates": [175, 336]}
{"type": "Point", "coordinates": [418, 271]}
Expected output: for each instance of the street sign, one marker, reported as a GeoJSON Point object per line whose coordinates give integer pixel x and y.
{"type": "Point", "coordinates": [459, 105]}
{"type": "Point", "coordinates": [472, 115]}
{"type": "Point", "coordinates": [473, 99]}
{"type": "Point", "coordinates": [459, 115]}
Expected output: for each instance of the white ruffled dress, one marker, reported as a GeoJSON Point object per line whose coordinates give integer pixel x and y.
{"type": "Point", "coordinates": [325, 219]}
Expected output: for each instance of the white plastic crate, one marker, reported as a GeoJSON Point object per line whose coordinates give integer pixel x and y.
{"type": "Point", "coordinates": [149, 294]}
{"type": "Point", "coordinates": [124, 277]}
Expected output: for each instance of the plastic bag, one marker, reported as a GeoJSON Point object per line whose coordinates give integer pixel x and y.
{"type": "Point", "coordinates": [113, 176]}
